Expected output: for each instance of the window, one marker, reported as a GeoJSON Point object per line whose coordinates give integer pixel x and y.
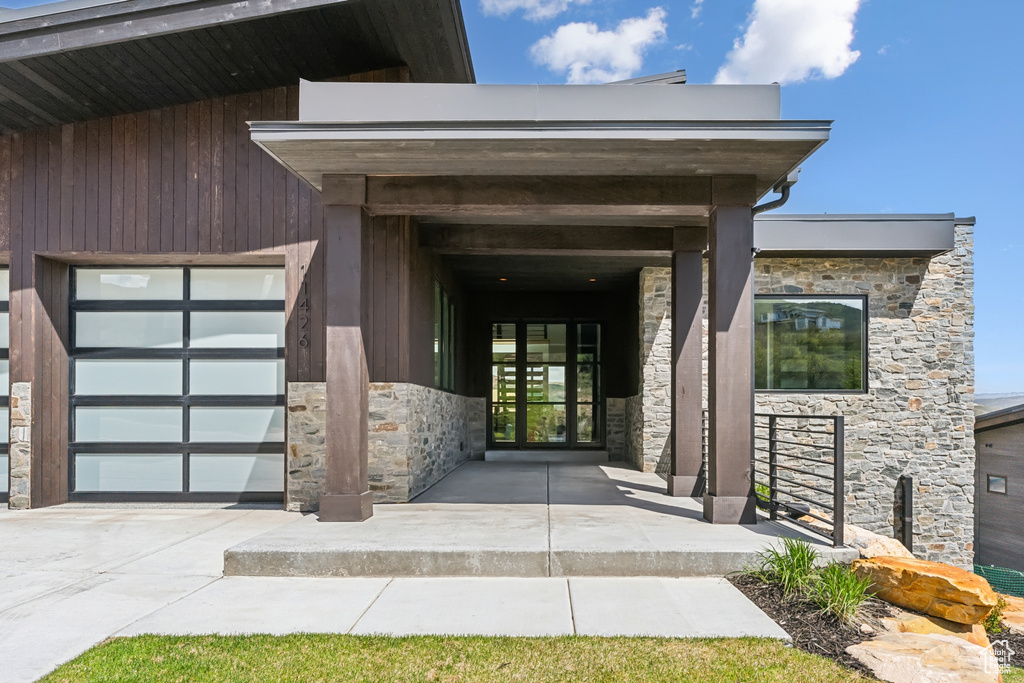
{"type": "Point", "coordinates": [810, 344]}
{"type": "Point", "coordinates": [996, 484]}
{"type": "Point", "coordinates": [177, 383]}
{"type": "Point", "coordinates": [444, 339]}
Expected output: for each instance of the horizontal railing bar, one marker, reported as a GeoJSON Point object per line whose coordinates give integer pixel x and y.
{"type": "Point", "coordinates": [823, 520]}
{"type": "Point", "coordinates": [807, 500]}
{"type": "Point", "coordinates": [794, 469]}
{"type": "Point", "coordinates": [806, 486]}
{"type": "Point", "coordinates": [813, 529]}
{"type": "Point", "coordinates": [823, 447]}
{"type": "Point", "coordinates": [804, 457]}
{"type": "Point", "coordinates": [783, 416]}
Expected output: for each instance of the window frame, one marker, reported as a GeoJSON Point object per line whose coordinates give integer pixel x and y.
{"type": "Point", "coordinates": [445, 339]}
{"type": "Point", "coordinates": [185, 448]}
{"type": "Point", "coordinates": [1006, 484]}
{"type": "Point", "coordinates": [865, 349]}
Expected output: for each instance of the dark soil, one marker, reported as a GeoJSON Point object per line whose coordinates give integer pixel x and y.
{"type": "Point", "coordinates": [812, 630]}
{"type": "Point", "coordinates": [1016, 643]}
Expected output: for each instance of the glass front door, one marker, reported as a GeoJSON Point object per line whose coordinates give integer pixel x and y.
{"type": "Point", "coordinates": [545, 385]}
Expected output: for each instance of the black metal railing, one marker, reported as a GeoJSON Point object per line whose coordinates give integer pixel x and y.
{"type": "Point", "coordinates": [798, 470]}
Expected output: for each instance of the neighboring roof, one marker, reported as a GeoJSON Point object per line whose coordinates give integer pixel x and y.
{"type": "Point", "coordinates": [667, 78]}
{"type": "Point", "coordinates": [999, 418]}
{"type": "Point", "coordinates": [855, 234]}
{"type": "Point", "coordinates": [411, 128]}
{"type": "Point", "coordinates": [82, 59]}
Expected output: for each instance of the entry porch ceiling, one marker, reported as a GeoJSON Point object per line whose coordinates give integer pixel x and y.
{"type": "Point", "coordinates": [378, 129]}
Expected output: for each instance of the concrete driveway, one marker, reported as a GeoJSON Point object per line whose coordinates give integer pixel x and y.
{"type": "Point", "coordinates": [72, 576]}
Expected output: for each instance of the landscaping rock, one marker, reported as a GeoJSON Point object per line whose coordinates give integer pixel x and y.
{"type": "Point", "coordinates": [915, 658]}
{"type": "Point", "coordinates": [1013, 614]}
{"type": "Point", "coordinates": [868, 543]}
{"type": "Point", "coordinates": [926, 625]}
{"type": "Point", "coordinates": [929, 587]}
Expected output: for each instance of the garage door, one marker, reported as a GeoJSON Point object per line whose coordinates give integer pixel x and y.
{"type": "Point", "coordinates": [177, 384]}
{"type": "Point", "coordinates": [5, 381]}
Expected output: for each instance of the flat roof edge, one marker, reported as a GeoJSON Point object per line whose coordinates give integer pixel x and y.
{"type": "Point", "coordinates": [398, 102]}
{"type": "Point", "coordinates": [999, 418]}
{"type": "Point", "coordinates": [869, 235]}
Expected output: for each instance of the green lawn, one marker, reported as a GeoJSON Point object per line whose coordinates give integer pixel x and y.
{"type": "Point", "coordinates": [309, 658]}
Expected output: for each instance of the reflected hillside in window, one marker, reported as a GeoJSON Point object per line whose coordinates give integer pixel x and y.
{"type": "Point", "coordinates": [809, 344]}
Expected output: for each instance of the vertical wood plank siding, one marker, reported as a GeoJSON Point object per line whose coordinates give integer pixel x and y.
{"type": "Point", "coordinates": [174, 185]}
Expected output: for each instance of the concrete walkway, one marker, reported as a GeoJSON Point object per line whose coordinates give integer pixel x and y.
{"type": "Point", "coordinates": [525, 520]}
{"type": "Point", "coordinates": [72, 576]}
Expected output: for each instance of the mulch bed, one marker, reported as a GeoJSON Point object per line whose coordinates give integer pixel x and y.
{"type": "Point", "coordinates": [1016, 643]}
{"type": "Point", "coordinates": [812, 630]}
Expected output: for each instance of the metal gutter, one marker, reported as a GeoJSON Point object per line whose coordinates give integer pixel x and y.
{"type": "Point", "coordinates": [278, 131]}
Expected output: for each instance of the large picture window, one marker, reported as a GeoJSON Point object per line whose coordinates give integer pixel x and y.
{"type": "Point", "coordinates": [810, 344]}
{"type": "Point", "coordinates": [177, 383]}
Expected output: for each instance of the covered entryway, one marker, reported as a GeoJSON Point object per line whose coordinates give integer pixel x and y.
{"type": "Point", "coordinates": [655, 172]}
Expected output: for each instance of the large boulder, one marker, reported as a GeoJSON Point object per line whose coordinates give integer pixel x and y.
{"type": "Point", "coordinates": [1013, 614]}
{"type": "Point", "coordinates": [929, 587]}
{"type": "Point", "coordinates": [916, 658]}
{"type": "Point", "coordinates": [908, 622]}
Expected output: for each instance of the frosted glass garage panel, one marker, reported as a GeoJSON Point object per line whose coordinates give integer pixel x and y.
{"type": "Point", "coordinates": [128, 377]}
{"type": "Point", "coordinates": [247, 425]}
{"type": "Point", "coordinates": [237, 329]}
{"type": "Point", "coordinates": [236, 377]}
{"type": "Point", "coordinates": [249, 284]}
{"type": "Point", "coordinates": [127, 424]}
{"type": "Point", "coordinates": [236, 473]}
{"type": "Point", "coordinates": [6, 483]}
{"type": "Point", "coordinates": [132, 284]}
{"type": "Point", "coordinates": [5, 284]}
{"type": "Point", "coordinates": [135, 473]}
{"type": "Point", "coordinates": [5, 425]}
{"type": "Point", "coordinates": [5, 376]}
{"type": "Point", "coordinates": [5, 330]}
{"type": "Point", "coordinates": [128, 329]}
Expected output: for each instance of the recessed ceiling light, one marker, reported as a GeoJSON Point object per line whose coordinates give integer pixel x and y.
{"type": "Point", "coordinates": [593, 279]}
{"type": "Point", "coordinates": [503, 279]}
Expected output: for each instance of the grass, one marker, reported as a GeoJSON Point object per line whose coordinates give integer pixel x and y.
{"type": "Point", "coordinates": [792, 566]}
{"type": "Point", "coordinates": [1013, 675]}
{"type": "Point", "coordinates": [837, 590]}
{"type": "Point", "coordinates": [313, 658]}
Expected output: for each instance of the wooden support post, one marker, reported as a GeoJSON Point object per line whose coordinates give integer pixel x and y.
{"type": "Point", "coordinates": [346, 497]}
{"type": "Point", "coordinates": [730, 499]}
{"type": "Point", "coordinates": [685, 477]}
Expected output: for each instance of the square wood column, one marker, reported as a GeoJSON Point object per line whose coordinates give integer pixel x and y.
{"type": "Point", "coordinates": [685, 476]}
{"type": "Point", "coordinates": [346, 496]}
{"type": "Point", "coordinates": [730, 497]}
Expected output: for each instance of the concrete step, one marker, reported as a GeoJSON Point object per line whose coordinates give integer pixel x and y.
{"type": "Point", "coordinates": [552, 456]}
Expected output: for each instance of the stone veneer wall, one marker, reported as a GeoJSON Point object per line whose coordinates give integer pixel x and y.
{"type": "Point", "coordinates": [20, 446]}
{"type": "Point", "coordinates": [917, 417]}
{"type": "Point", "coordinates": [654, 417]}
{"type": "Point", "coordinates": [416, 436]}
{"type": "Point", "coordinates": [615, 428]}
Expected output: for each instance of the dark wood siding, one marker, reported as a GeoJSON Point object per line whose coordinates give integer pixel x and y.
{"type": "Point", "coordinates": [178, 185]}
{"type": "Point", "coordinates": [1000, 518]}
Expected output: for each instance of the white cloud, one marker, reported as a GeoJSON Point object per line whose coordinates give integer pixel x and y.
{"type": "Point", "coordinates": [587, 55]}
{"type": "Point", "coordinates": [534, 10]}
{"type": "Point", "coordinates": [789, 41]}
{"type": "Point", "coordinates": [695, 8]}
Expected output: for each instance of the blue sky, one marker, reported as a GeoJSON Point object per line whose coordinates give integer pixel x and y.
{"type": "Point", "coordinates": [928, 118]}
{"type": "Point", "coordinates": [927, 98]}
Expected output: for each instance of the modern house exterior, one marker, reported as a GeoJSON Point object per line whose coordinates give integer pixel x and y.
{"type": "Point", "coordinates": [999, 437]}
{"type": "Point", "coordinates": [291, 252]}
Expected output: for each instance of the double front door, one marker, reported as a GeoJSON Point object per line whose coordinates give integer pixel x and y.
{"type": "Point", "coordinates": [546, 385]}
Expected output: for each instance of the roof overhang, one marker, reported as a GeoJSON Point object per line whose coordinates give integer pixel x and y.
{"type": "Point", "coordinates": [82, 59]}
{"type": "Point", "coordinates": [514, 130]}
{"type": "Point", "coordinates": [850, 235]}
